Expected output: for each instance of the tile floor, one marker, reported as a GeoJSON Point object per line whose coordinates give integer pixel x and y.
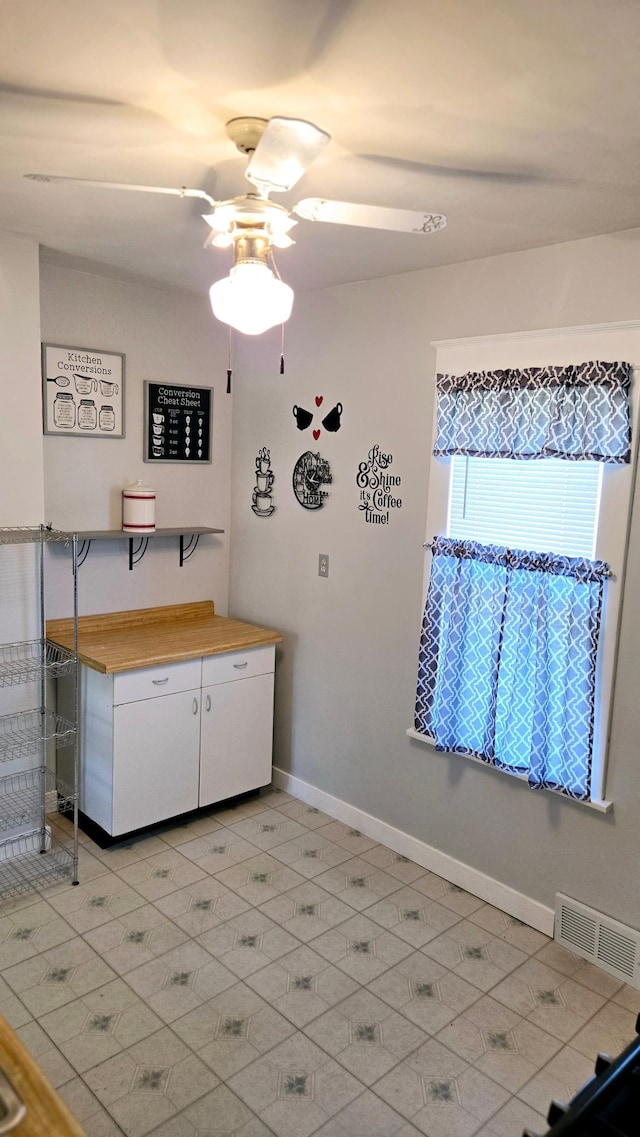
{"type": "Point", "coordinates": [266, 970]}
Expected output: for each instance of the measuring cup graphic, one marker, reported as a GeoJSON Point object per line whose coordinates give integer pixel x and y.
{"type": "Point", "coordinates": [107, 388]}
{"type": "Point", "coordinates": [84, 384]}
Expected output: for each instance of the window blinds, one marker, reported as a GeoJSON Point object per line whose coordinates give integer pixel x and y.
{"type": "Point", "coordinates": [550, 506]}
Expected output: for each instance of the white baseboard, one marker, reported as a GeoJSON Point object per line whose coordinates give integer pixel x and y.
{"type": "Point", "coordinates": [530, 911]}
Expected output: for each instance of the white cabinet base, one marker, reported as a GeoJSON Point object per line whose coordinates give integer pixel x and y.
{"type": "Point", "coordinates": [147, 755]}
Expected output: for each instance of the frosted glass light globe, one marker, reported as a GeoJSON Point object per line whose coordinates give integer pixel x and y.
{"type": "Point", "coordinates": [251, 299]}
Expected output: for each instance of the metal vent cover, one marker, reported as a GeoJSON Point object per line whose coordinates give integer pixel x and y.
{"type": "Point", "coordinates": [607, 943]}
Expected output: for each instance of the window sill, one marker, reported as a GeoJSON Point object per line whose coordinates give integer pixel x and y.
{"type": "Point", "coordinates": [599, 806]}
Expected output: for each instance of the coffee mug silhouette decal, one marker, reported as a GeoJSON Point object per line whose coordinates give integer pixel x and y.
{"type": "Point", "coordinates": [262, 502]}
{"type": "Point", "coordinates": [303, 418]}
{"type": "Point", "coordinates": [331, 421]}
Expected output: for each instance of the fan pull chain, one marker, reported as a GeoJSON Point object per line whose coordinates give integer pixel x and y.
{"type": "Point", "coordinates": [229, 367]}
{"type": "Point", "coordinates": [278, 277]}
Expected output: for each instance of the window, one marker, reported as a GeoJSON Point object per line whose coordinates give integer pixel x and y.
{"type": "Point", "coordinates": [549, 506]}
{"type": "Point", "coordinates": [564, 496]}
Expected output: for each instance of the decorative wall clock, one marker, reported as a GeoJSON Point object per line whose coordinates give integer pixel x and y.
{"type": "Point", "coordinates": [310, 473]}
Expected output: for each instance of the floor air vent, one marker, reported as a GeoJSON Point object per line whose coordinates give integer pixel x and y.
{"type": "Point", "coordinates": [612, 946]}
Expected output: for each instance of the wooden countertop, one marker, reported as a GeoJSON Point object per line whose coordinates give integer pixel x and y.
{"type": "Point", "coordinates": [149, 637]}
{"type": "Point", "coordinates": [47, 1115]}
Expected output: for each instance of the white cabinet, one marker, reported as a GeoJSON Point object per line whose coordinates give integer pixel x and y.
{"type": "Point", "coordinates": [161, 741]}
{"type": "Point", "coordinates": [236, 732]}
{"type": "Point", "coordinates": [155, 759]}
{"type": "Point", "coordinates": [235, 737]}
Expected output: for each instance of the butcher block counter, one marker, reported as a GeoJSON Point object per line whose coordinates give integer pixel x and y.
{"type": "Point", "coordinates": [148, 637]}
{"type": "Point", "coordinates": [46, 1115]}
{"type": "Point", "coordinates": [176, 712]}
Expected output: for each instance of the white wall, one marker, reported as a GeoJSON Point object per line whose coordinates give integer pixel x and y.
{"type": "Point", "coordinates": [346, 673]}
{"type": "Point", "coordinates": [166, 336]}
{"type": "Point", "coordinates": [21, 486]}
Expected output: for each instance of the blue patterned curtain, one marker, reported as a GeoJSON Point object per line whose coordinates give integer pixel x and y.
{"type": "Point", "coordinates": [508, 660]}
{"type": "Point", "coordinates": [579, 412]}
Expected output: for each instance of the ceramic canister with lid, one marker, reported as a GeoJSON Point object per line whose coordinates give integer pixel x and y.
{"type": "Point", "coordinates": [138, 509]}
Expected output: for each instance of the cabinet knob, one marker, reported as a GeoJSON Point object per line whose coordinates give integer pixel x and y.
{"type": "Point", "coordinates": [160, 682]}
{"type": "Point", "coordinates": [195, 706]}
{"type": "Point", "coordinates": [241, 666]}
{"type": "Point", "coordinates": [208, 703]}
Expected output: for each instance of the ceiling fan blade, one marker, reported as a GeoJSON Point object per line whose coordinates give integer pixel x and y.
{"type": "Point", "coordinates": [286, 149]}
{"type": "Point", "coordinates": [429, 169]}
{"type": "Point", "coordinates": [182, 192]}
{"type": "Point", "coordinates": [369, 216]}
{"type": "Point", "coordinates": [61, 96]}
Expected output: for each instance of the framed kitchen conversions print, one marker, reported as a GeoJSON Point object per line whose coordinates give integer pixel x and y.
{"type": "Point", "coordinates": [177, 423]}
{"type": "Point", "coordinates": [83, 391]}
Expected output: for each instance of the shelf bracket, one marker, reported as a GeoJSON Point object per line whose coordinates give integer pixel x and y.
{"type": "Point", "coordinates": [187, 550]}
{"type": "Point", "coordinates": [136, 555]}
{"type": "Point", "coordinates": [83, 552]}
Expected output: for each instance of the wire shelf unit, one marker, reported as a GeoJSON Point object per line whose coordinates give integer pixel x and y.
{"type": "Point", "coordinates": [28, 661]}
{"type": "Point", "coordinates": [24, 867]}
{"type": "Point", "coordinates": [23, 797]}
{"type": "Point", "coordinates": [28, 534]}
{"type": "Point", "coordinates": [23, 733]}
{"type": "Point", "coordinates": [30, 857]}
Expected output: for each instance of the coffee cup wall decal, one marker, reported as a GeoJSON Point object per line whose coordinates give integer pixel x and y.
{"type": "Point", "coordinates": [262, 504]}
{"type": "Point", "coordinates": [303, 418]}
{"type": "Point", "coordinates": [331, 421]}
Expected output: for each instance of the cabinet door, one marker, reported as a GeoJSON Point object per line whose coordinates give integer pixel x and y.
{"type": "Point", "coordinates": [156, 746]}
{"type": "Point", "coordinates": [236, 737]}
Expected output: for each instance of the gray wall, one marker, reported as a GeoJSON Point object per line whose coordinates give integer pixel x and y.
{"type": "Point", "coordinates": [21, 493]}
{"type": "Point", "coordinates": [167, 336]}
{"type": "Point", "coordinates": [346, 672]}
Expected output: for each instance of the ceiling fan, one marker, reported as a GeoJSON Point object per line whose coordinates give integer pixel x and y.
{"type": "Point", "coordinates": [280, 150]}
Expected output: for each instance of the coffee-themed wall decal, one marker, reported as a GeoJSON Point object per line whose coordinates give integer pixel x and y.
{"type": "Point", "coordinates": [377, 487]}
{"type": "Point", "coordinates": [310, 474]}
{"type": "Point", "coordinates": [330, 422]}
{"type": "Point", "coordinates": [262, 501]}
{"type": "Point", "coordinates": [83, 391]}
{"type": "Point", "coordinates": [177, 423]}
{"type": "Point", "coordinates": [303, 418]}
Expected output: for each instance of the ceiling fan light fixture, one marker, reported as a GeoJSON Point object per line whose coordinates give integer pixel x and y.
{"type": "Point", "coordinates": [222, 240]}
{"type": "Point", "coordinates": [251, 299]}
{"type": "Point", "coordinates": [281, 240]}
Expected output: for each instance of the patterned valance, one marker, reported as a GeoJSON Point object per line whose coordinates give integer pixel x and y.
{"type": "Point", "coordinates": [507, 660]}
{"type": "Point", "coordinates": [577, 412]}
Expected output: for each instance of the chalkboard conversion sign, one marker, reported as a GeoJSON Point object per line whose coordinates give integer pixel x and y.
{"type": "Point", "coordinates": [177, 423]}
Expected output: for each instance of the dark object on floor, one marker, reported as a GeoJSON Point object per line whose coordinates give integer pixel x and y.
{"type": "Point", "coordinates": [608, 1105]}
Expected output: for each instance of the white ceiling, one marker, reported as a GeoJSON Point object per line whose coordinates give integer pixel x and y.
{"type": "Point", "coordinates": [519, 119]}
